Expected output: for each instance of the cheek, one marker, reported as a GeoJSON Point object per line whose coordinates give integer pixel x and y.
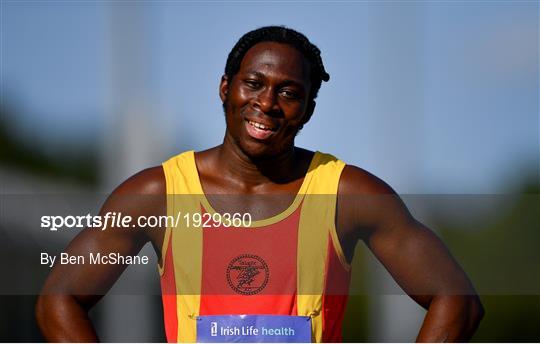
{"type": "Point", "coordinates": [237, 101]}
{"type": "Point", "coordinates": [243, 94]}
{"type": "Point", "coordinates": [292, 127]}
{"type": "Point", "coordinates": [228, 112]}
{"type": "Point", "coordinates": [238, 94]}
{"type": "Point", "coordinates": [230, 106]}
{"type": "Point", "coordinates": [295, 113]}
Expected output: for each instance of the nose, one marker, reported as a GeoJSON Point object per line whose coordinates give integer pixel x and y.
{"type": "Point", "coordinates": [266, 101]}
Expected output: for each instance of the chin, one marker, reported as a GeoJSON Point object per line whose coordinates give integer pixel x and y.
{"type": "Point", "coordinates": [255, 150]}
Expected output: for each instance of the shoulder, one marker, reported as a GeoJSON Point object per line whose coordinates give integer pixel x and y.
{"type": "Point", "coordinates": [353, 180]}
{"type": "Point", "coordinates": [366, 202]}
{"type": "Point", "coordinates": [142, 194]}
{"type": "Point", "coordinates": [357, 181]}
{"type": "Point", "coordinates": [150, 181]}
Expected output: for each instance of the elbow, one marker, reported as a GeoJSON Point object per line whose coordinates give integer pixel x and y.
{"type": "Point", "coordinates": [40, 311]}
{"type": "Point", "coordinates": [61, 318]}
{"type": "Point", "coordinates": [43, 313]}
{"type": "Point", "coordinates": [50, 314]}
{"type": "Point", "coordinates": [471, 314]}
{"type": "Point", "coordinates": [462, 314]}
{"type": "Point", "coordinates": [476, 312]}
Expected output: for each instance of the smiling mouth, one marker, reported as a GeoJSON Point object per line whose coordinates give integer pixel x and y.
{"type": "Point", "coordinates": [260, 126]}
{"type": "Point", "coordinates": [259, 131]}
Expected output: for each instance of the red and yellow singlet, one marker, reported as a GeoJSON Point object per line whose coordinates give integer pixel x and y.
{"type": "Point", "coordinates": [289, 264]}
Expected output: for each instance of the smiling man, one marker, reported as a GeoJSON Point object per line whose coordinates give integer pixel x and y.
{"type": "Point", "coordinates": [281, 271]}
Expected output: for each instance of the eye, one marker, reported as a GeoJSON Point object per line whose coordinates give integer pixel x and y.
{"type": "Point", "coordinates": [253, 84]}
{"type": "Point", "coordinates": [289, 94]}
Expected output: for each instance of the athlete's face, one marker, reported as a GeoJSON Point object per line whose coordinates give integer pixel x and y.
{"type": "Point", "coordinates": [267, 102]}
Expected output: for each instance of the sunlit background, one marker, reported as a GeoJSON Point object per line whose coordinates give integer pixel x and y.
{"type": "Point", "coordinates": [435, 97]}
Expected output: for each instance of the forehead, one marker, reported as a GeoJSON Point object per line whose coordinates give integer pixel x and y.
{"type": "Point", "coordinates": [276, 59]}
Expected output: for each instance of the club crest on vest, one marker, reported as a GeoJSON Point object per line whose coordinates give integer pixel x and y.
{"type": "Point", "coordinates": [248, 274]}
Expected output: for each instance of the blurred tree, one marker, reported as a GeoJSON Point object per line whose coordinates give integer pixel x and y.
{"type": "Point", "coordinates": [78, 163]}
{"type": "Point", "coordinates": [503, 260]}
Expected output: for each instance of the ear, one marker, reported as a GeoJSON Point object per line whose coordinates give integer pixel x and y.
{"type": "Point", "coordinates": [309, 111]}
{"type": "Point", "coordinates": [223, 88]}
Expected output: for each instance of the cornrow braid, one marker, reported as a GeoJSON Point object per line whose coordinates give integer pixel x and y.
{"type": "Point", "coordinates": [280, 34]}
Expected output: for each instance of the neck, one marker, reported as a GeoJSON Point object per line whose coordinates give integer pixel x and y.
{"type": "Point", "coordinates": [254, 172]}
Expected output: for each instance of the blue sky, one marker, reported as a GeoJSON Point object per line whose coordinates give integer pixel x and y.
{"type": "Point", "coordinates": [434, 97]}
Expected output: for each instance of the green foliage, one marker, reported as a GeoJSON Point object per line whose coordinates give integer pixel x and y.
{"type": "Point", "coordinates": [503, 261]}
{"type": "Point", "coordinates": [80, 165]}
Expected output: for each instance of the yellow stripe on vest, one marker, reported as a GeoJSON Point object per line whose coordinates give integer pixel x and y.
{"type": "Point", "coordinates": [316, 221]}
{"type": "Point", "coordinates": [186, 242]}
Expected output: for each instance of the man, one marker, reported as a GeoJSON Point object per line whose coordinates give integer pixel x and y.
{"type": "Point", "coordinates": [293, 259]}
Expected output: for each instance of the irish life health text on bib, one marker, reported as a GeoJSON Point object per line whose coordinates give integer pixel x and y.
{"type": "Point", "coordinates": [253, 328]}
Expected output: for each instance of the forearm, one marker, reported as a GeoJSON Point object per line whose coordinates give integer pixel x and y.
{"type": "Point", "coordinates": [451, 318]}
{"type": "Point", "coordinates": [62, 319]}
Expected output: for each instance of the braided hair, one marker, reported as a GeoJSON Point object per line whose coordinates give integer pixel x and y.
{"type": "Point", "coordinates": [280, 34]}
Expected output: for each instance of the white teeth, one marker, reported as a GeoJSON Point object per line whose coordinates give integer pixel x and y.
{"type": "Point", "coordinates": [259, 125]}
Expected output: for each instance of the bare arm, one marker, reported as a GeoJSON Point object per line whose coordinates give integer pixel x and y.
{"type": "Point", "coordinates": [415, 257]}
{"type": "Point", "coordinates": [71, 290]}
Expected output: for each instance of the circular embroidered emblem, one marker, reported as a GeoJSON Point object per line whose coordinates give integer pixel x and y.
{"type": "Point", "coordinates": [247, 274]}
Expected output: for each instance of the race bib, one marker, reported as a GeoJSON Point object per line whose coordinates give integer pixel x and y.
{"type": "Point", "coordinates": [253, 328]}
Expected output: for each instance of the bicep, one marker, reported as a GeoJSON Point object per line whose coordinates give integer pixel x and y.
{"type": "Point", "coordinates": [415, 257]}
